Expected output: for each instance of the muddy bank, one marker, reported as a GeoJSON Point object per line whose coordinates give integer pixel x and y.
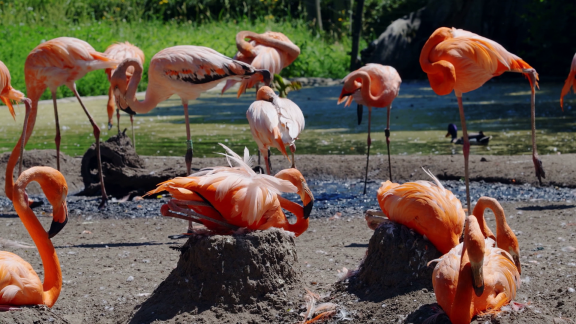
{"type": "Point", "coordinates": [516, 169]}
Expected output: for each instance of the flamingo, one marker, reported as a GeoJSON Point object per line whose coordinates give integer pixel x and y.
{"type": "Point", "coordinates": [274, 122]}
{"type": "Point", "coordinates": [57, 62]}
{"type": "Point", "coordinates": [373, 85]}
{"type": "Point", "coordinates": [423, 206]}
{"type": "Point", "coordinates": [458, 60]}
{"type": "Point", "coordinates": [271, 51]}
{"type": "Point", "coordinates": [185, 71]}
{"type": "Point", "coordinates": [569, 83]}
{"type": "Point", "coordinates": [119, 52]}
{"type": "Point", "coordinates": [474, 266]}
{"type": "Point", "coordinates": [227, 199]}
{"type": "Point", "coordinates": [9, 94]}
{"type": "Point", "coordinates": [19, 283]}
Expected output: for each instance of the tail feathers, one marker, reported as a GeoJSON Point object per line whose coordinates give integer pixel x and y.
{"type": "Point", "coordinates": [567, 85]}
{"type": "Point", "coordinates": [13, 95]}
{"type": "Point", "coordinates": [8, 103]}
{"type": "Point", "coordinates": [229, 84]}
{"type": "Point", "coordinates": [102, 62]}
{"type": "Point", "coordinates": [281, 147]}
{"type": "Point", "coordinates": [519, 65]}
{"type": "Point", "coordinates": [242, 88]}
{"type": "Point", "coordinates": [345, 96]}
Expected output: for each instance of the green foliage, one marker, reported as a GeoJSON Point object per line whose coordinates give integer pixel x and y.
{"type": "Point", "coordinates": [284, 87]}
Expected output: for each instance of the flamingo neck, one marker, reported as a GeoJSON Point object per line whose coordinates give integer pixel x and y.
{"type": "Point", "coordinates": [34, 96]}
{"type": "Point", "coordinates": [292, 51]}
{"type": "Point", "coordinates": [478, 212]}
{"type": "Point", "coordinates": [150, 101]}
{"type": "Point", "coordinates": [461, 311]}
{"type": "Point", "coordinates": [52, 272]}
{"type": "Point", "coordinates": [301, 224]}
{"type": "Point", "coordinates": [365, 88]}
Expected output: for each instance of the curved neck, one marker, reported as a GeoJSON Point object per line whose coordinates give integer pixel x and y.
{"type": "Point", "coordinates": [460, 312]}
{"type": "Point", "coordinates": [52, 272]}
{"type": "Point", "coordinates": [290, 49]}
{"type": "Point", "coordinates": [366, 83]}
{"type": "Point", "coordinates": [440, 35]}
{"type": "Point", "coordinates": [501, 225]}
{"type": "Point", "coordinates": [34, 95]}
{"type": "Point", "coordinates": [150, 101]}
{"type": "Point", "coordinates": [301, 224]}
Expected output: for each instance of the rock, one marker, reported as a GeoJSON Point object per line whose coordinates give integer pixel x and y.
{"type": "Point", "coordinates": [401, 43]}
{"type": "Point", "coordinates": [425, 312]}
{"type": "Point", "coordinates": [32, 314]}
{"type": "Point", "coordinates": [228, 272]}
{"type": "Point", "coordinates": [395, 263]}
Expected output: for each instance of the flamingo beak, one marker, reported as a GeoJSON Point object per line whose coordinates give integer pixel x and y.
{"type": "Point", "coordinates": [517, 262]}
{"type": "Point", "coordinates": [308, 200]}
{"type": "Point", "coordinates": [266, 77]}
{"type": "Point", "coordinates": [59, 221]}
{"type": "Point", "coordinates": [477, 278]}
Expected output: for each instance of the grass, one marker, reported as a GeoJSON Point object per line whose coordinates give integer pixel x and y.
{"type": "Point", "coordinates": [319, 58]}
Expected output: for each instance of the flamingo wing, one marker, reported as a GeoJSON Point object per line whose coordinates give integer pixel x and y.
{"type": "Point", "coordinates": [291, 119]}
{"type": "Point", "coordinates": [569, 83]}
{"type": "Point", "coordinates": [7, 93]}
{"type": "Point", "coordinates": [122, 51]}
{"type": "Point", "coordinates": [19, 283]}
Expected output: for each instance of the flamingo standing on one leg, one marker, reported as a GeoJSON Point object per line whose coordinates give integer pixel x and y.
{"type": "Point", "coordinates": [9, 94]}
{"type": "Point", "coordinates": [474, 276]}
{"type": "Point", "coordinates": [373, 85]}
{"type": "Point", "coordinates": [57, 62]}
{"type": "Point", "coordinates": [274, 122]}
{"type": "Point", "coordinates": [19, 283]}
{"type": "Point", "coordinates": [120, 52]}
{"type": "Point", "coordinates": [270, 51]}
{"type": "Point", "coordinates": [423, 206]}
{"type": "Point", "coordinates": [569, 83]}
{"type": "Point", "coordinates": [229, 198]}
{"type": "Point", "coordinates": [458, 60]}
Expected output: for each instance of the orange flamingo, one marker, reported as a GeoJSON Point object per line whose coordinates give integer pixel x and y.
{"type": "Point", "coordinates": [373, 85]}
{"type": "Point", "coordinates": [458, 60]}
{"type": "Point", "coordinates": [19, 283]}
{"type": "Point", "coordinates": [9, 94]}
{"type": "Point", "coordinates": [274, 122]}
{"type": "Point", "coordinates": [569, 83]}
{"type": "Point", "coordinates": [230, 198]}
{"type": "Point", "coordinates": [270, 51]}
{"type": "Point", "coordinates": [120, 52]}
{"type": "Point", "coordinates": [57, 62]}
{"type": "Point", "coordinates": [186, 71]}
{"type": "Point", "coordinates": [474, 277]}
{"type": "Point", "coordinates": [423, 206]}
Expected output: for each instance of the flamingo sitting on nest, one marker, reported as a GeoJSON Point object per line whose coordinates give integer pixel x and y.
{"type": "Point", "coordinates": [423, 206]}
{"type": "Point", "coordinates": [226, 199]}
{"type": "Point", "coordinates": [474, 276]}
{"type": "Point", "coordinates": [19, 283]}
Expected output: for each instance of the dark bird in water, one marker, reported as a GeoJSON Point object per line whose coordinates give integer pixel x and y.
{"type": "Point", "coordinates": [475, 139]}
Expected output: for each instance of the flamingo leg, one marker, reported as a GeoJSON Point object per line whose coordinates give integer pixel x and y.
{"type": "Point", "coordinates": [387, 132]}
{"type": "Point", "coordinates": [466, 150]}
{"type": "Point", "coordinates": [369, 141]}
{"type": "Point", "coordinates": [110, 108]}
{"type": "Point", "coordinates": [540, 173]}
{"type": "Point", "coordinates": [269, 163]}
{"type": "Point", "coordinates": [189, 149]}
{"type": "Point", "coordinates": [27, 103]}
{"type": "Point", "coordinates": [133, 137]}
{"type": "Point", "coordinates": [118, 119]}
{"type": "Point", "coordinates": [292, 149]}
{"type": "Point", "coordinates": [266, 161]}
{"type": "Point", "coordinates": [96, 131]}
{"type": "Point", "coordinates": [57, 138]}
{"type": "Point", "coordinates": [374, 218]}
{"type": "Point", "coordinates": [258, 157]}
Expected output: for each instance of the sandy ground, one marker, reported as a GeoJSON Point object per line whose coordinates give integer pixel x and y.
{"type": "Point", "coordinates": [111, 266]}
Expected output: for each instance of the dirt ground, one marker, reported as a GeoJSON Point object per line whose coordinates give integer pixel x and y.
{"type": "Point", "coordinates": [110, 267]}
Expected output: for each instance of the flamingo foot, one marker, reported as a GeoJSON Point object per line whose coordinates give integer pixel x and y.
{"type": "Point", "coordinates": [103, 203]}
{"type": "Point", "coordinates": [540, 173]}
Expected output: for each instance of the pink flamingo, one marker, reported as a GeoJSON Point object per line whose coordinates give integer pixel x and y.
{"type": "Point", "coordinates": [120, 52]}
{"type": "Point", "coordinates": [270, 51]}
{"type": "Point", "coordinates": [274, 122]}
{"type": "Point", "coordinates": [57, 62]}
{"type": "Point", "coordinates": [569, 83]}
{"type": "Point", "coordinates": [186, 71]}
{"type": "Point", "coordinates": [373, 85]}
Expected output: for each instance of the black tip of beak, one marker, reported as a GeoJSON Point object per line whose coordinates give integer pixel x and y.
{"type": "Point", "coordinates": [479, 290]}
{"type": "Point", "coordinates": [308, 209]}
{"type": "Point", "coordinates": [56, 227]}
{"type": "Point", "coordinates": [266, 76]}
{"type": "Point", "coordinates": [359, 112]}
{"type": "Point", "coordinates": [517, 263]}
{"type": "Point", "coordinates": [258, 169]}
{"type": "Point", "coordinates": [128, 110]}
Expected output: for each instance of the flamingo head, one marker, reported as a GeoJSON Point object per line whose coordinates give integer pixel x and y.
{"type": "Point", "coordinates": [266, 93]}
{"type": "Point", "coordinates": [57, 198]}
{"type": "Point", "coordinates": [507, 241]}
{"type": "Point", "coordinates": [475, 247]}
{"type": "Point", "coordinates": [120, 80]}
{"type": "Point", "coordinates": [297, 179]}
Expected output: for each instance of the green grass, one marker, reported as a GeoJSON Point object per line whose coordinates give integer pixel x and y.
{"type": "Point", "coordinates": [319, 57]}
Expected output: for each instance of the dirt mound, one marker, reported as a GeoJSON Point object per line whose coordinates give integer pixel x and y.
{"type": "Point", "coordinates": [254, 273]}
{"type": "Point", "coordinates": [68, 166]}
{"type": "Point", "coordinates": [124, 171]}
{"type": "Point", "coordinates": [395, 263]}
{"type": "Point", "coordinates": [32, 314]}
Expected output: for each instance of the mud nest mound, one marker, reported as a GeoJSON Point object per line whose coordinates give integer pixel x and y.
{"type": "Point", "coordinates": [125, 172]}
{"type": "Point", "coordinates": [256, 272]}
{"type": "Point", "coordinates": [32, 314]}
{"type": "Point", "coordinates": [395, 263]}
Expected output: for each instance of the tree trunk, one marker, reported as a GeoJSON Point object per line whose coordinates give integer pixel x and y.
{"type": "Point", "coordinates": [318, 15]}
{"type": "Point", "coordinates": [356, 29]}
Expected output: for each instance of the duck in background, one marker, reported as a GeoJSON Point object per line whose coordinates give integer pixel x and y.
{"type": "Point", "coordinates": [475, 139]}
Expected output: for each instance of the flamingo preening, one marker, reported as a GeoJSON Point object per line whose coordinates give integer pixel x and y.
{"type": "Point", "coordinates": [57, 62]}
{"type": "Point", "coordinates": [186, 71]}
{"type": "Point", "coordinates": [120, 52]}
{"type": "Point", "coordinates": [423, 206]}
{"type": "Point", "coordinates": [461, 61]}
{"type": "Point", "coordinates": [474, 277]}
{"type": "Point", "coordinates": [19, 283]}
{"type": "Point", "coordinates": [373, 85]}
{"type": "Point", "coordinates": [270, 51]}
{"type": "Point", "coordinates": [226, 199]}
{"type": "Point", "coordinates": [569, 83]}
{"type": "Point", "coordinates": [274, 122]}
